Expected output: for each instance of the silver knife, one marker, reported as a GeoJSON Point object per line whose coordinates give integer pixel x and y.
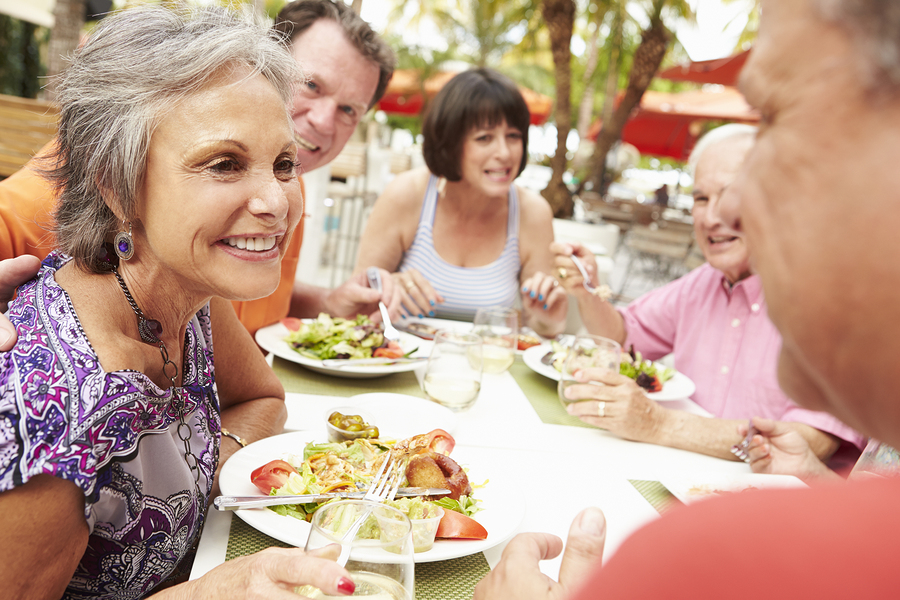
{"type": "Point", "coordinates": [369, 362]}
{"type": "Point", "coordinates": [235, 502]}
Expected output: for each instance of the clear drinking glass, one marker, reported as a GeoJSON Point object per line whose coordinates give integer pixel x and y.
{"type": "Point", "coordinates": [499, 330]}
{"type": "Point", "coordinates": [588, 351]}
{"type": "Point", "coordinates": [381, 553]}
{"type": "Point", "coordinates": [453, 373]}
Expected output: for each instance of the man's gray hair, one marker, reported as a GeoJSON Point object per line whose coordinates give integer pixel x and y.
{"type": "Point", "coordinates": [875, 28]}
{"type": "Point", "coordinates": [135, 66]}
{"type": "Point", "coordinates": [719, 134]}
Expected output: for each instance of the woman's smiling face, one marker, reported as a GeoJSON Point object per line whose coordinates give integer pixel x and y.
{"type": "Point", "coordinates": [491, 157]}
{"type": "Point", "coordinates": [221, 197]}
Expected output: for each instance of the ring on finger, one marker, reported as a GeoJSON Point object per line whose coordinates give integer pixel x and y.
{"type": "Point", "coordinates": [601, 409]}
{"type": "Point", "coordinates": [409, 285]}
{"type": "Point", "coordinates": [555, 283]}
{"type": "Point", "coordinates": [561, 271]}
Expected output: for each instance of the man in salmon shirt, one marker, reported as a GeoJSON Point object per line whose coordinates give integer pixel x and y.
{"type": "Point", "coordinates": [349, 68]}
{"type": "Point", "coordinates": [817, 200]}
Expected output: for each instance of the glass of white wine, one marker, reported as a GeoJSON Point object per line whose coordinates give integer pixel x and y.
{"type": "Point", "coordinates": [380, 553]}
{"type": "Point", "coordinates": [587, 352]}
{"type": "Point", "coordinates": [453, 373]}
{"type": "Point", "coordinates": [498, 327]}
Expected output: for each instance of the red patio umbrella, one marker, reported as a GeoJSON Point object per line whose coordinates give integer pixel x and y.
{"type": "Point", "coordinates": [404, 95]}
{"type": "Point", "coordinates": [669, 124]}
{"type": "Point", "coordinates": [724, 71]}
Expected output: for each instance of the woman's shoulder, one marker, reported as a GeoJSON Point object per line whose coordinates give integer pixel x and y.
{"type": "Point", "coordinates": [408, 186]}
{"type": "Point", "coordinates": [534, 210]}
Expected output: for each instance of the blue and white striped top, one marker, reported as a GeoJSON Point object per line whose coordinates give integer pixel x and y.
{"type": "Point", "coordinates": [466, 289]}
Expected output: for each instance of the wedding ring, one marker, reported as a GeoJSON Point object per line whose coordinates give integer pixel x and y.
{"type": "Point", "coordinates": [601, 409]}
{"type": "Point", "coordinates": [562, 272]}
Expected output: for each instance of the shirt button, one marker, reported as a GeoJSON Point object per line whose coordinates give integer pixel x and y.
{"type": "Point", "coordinates": [735, 322]}
{"type": "Point", "coordinates": [755, 307]}
{"type": "Point", "coordinates": [724, 369]}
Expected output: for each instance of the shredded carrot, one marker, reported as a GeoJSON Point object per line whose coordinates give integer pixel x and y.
{"type": "Point", "coordinates": [337, 486]}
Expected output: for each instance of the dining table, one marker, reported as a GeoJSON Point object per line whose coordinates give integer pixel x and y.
{"type": "Point", "coordinates": [517, 431]}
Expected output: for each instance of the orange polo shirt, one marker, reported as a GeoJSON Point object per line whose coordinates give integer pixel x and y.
{"type": "Point", "coordinates": [26, 225]}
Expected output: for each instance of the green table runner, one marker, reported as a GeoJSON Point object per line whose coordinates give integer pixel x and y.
{"type": "Point", "coordinates": [656, 494]}
{"type": "Point", "coordinates": [297, 378]}
{"type": "Point", "coordinates": [543, 395]}
{"type": "Point", "coordinates": [540, 391]}
{"type": "Point", "coordinates": [453, 579]}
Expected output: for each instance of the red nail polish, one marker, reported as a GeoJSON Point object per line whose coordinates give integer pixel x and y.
{"type": "Point", "coordinates": [346, 586]}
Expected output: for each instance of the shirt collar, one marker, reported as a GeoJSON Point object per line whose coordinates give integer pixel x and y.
{"type": "Point", "coordinates": [751, 287]}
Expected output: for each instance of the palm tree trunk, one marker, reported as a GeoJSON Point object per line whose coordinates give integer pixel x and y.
{"type": "Point", "coordinates": [586, 106]}
{"type": "Point", "coordinates": [64, 39]}
{"type": "Point", "coordinates": [647, 58]}
{"type": "Point", "coordinates": [560, 18]}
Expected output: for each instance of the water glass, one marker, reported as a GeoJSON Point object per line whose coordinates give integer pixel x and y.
{"type": "Point", "coordinates": [586, 352]}
{"type": "Point", "coordinates": [453, 373]}
{"type": "Point", "coordinates": [498, 327]}
{"type": "Point", "coordinates": [380, 554]}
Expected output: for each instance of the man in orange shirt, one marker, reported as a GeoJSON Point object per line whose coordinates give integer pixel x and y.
{"type": "Point", "coordinates": [348, 67]}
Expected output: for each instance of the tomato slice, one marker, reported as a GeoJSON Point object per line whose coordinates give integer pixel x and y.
{"type": "Point", "coordinates": [271, 475]}
{"type": "Point", "coordinates": [441, 441]}
{"type": "Point", "coordinates": [292, 323]}
{"type": "Point", "coordinates": [458, 525]}
{"type": "Point", "coordinates": [387, 352]}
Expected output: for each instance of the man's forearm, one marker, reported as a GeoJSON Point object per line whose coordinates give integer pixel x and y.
{"type": "Point", "coordinates": [307, 301]}
{"type": "Point", "coordinates": [710, 436]}
{"type": "Point", "coordinates": [822, 444]}
{"type": "Point", "coordinates": [601, 318]}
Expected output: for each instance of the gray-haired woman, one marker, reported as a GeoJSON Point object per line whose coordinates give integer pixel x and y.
{"type": "Point", "coordinates": [175, 168]}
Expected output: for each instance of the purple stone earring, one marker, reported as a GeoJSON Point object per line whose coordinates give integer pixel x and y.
{"type": "Point", "coordinates": [124, 243]}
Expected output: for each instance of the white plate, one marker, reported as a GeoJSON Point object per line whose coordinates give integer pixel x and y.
{"type": "Point", "coordinates": [396, 415]}
{"type": "Point", "coordinates": [692, 488]}
{"type": "Point", "coordinates": [501, 516]}
{"type": "Point", "coordinates": [677, 388]}
{"type": "Point", "coordinates": [271, 339]}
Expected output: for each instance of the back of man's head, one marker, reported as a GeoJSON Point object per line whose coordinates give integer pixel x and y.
{"type": "Point", "coordinates": [296, 17]}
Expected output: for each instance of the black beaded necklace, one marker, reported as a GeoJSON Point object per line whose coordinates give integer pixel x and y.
{"type": "Point", "coordinates": [150, 331]}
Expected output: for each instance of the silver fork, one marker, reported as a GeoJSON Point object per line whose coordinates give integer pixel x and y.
{"type": "Point", "coordinates": [740, 450]}
{"type": "Point", "coordinates": [602, 291]}
{"type": "Point", "coordinates": [374, 277]}
{"type": "Point", "coordinates": [384, 487]}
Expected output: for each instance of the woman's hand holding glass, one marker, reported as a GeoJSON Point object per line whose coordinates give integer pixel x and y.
{"type": "Point", "coordinates": [380, 553]}
{"type": "Point", "coordinates": [453, 373]}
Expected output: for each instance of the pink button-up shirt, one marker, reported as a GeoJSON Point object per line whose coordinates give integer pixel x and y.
{"type": "Point", "coordinates": [725, 343]}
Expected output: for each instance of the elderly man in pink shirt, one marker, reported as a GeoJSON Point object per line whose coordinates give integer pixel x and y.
{"type": "Point", "coordinates": [714, 322]}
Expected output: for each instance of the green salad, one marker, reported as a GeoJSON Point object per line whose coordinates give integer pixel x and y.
{"type": "Point", "coordinates": [646, 373]}
{"type": "Point", "coordinates": [335, 337]}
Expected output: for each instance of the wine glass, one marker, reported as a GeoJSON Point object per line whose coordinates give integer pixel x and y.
{"type": "Point", "coordinates": [453, 373]}
{"type": "Point", "coordinates": [381, 551]}
{"type": "Point", "coordinates": [588, 351]}
{"type": "Point", "coordinates": [498, 327]}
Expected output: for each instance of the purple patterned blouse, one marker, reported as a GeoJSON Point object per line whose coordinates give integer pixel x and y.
{"type": "Point", "coordinates": [115, 435]}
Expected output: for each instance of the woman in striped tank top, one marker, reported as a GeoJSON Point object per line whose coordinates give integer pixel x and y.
{"type": "Point", "coordinates": [450, 232]}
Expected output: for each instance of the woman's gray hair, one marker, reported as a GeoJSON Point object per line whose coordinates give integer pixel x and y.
{"type": "Point", "coordinates": [874, 26]}
{"type": "Point", "coordinates": [135, 66]}
{"type": "Point", "coordinates": [719, 134]}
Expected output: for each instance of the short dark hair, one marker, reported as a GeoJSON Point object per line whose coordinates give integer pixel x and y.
{"type": "Point", "coordinates": [477, 98]}
{"type": "Point", "coordinates": [296, 17]}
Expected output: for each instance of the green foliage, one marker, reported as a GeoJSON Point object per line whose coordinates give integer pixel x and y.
{"type": "Point", "coordinates": [20, 64]}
